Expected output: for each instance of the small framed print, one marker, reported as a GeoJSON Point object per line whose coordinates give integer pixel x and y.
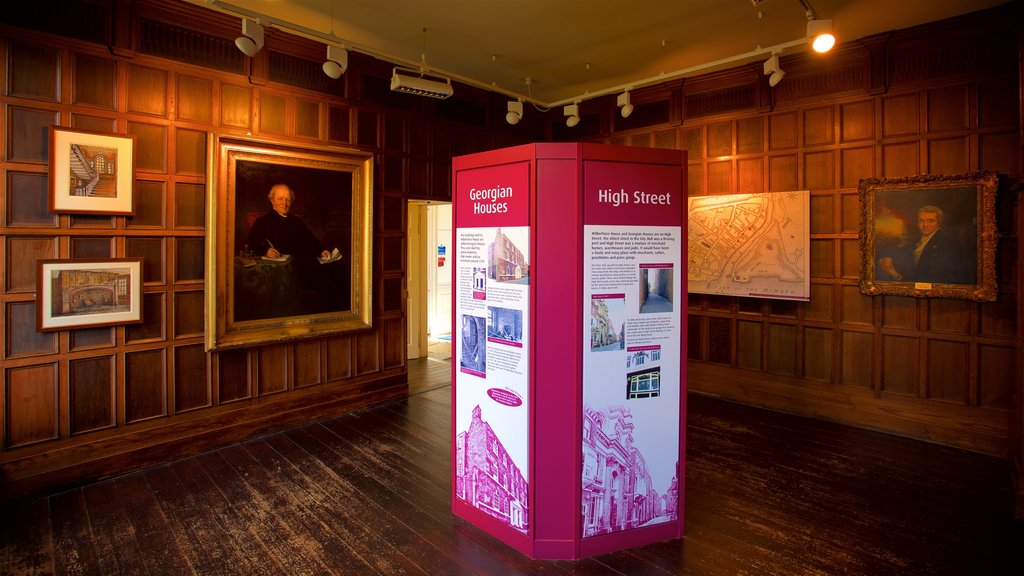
{"type": "Point", "coordinates": [91, 172]}
{"type": "Point", "coordinates": [86, 293]}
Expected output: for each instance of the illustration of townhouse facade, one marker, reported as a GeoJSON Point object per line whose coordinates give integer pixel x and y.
{"type": "Point", "coordinates": [618, 493]}
{"type": "Point", "coordinates": [670, 501]}
{"type": "Point", "coordinates": [487, 478]}
{"type": "Point", "coordinates": [506, 262]}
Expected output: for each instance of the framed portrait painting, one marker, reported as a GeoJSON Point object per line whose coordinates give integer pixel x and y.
{"type": "Point", "coordinates": [91, 172]}
{"type": "Point", "coordinates": [929, 236]}
{"type": "Point", "coordinates": [288, 244]}
{"type": "Point", "coordinates": [86, 293]}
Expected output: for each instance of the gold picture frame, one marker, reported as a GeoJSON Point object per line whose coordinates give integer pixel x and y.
{"type": "Point", "coordinates": [255, 295]}
{"type": "Point", "coordinates": [78, 293]}
{"type": "Point", "coordinates": [929, 236]}
{"type": "Point", "coordinates": [91, 172]}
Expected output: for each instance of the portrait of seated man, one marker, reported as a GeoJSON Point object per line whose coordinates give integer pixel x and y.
{"type": "Point", "coordinates": [934, 256]}
{"type": "Point", "coordinates": [291, 271]}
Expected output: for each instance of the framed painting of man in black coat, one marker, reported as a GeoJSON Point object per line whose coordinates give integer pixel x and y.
{"type": "Point", "coordinates": [288, 242]}
{"type": "Point", "coordinates": [929, 236]}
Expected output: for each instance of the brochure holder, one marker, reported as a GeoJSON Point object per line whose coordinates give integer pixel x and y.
{"type": "Point", "coordinates": [569, 353]}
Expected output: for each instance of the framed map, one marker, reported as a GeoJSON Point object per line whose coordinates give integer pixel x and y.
{"type": "Point", "coordinates": [755, 245]}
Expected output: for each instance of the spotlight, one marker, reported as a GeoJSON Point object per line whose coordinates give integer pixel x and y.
{"type": "Point", "coordinates": [421, 86]}
{"type": "Point", "coordinates": [515, 112]}
{"type": "Point", "coordinates": [624, 103]}
{"type": "Point", "coordinates": [820, 34]}
{"type": "Point", "coordinates": [251, 39]}
{"type": "Point", "coordinates": [337, 61]}
{"type": "Point", "coordinates": [773, 71]}
{"type": "Point", "coordinates": [573, 113]}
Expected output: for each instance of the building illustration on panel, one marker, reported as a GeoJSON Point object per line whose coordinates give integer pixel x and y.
{"type": "Point", "coordinates": [618, 493]}
{"type": "Point", "coordinates": [487, 478]}
{"type": "Point", "coordinates": [506, 262]}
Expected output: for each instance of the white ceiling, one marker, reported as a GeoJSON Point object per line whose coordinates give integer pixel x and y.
{"type": "Point", "coordinates": [576, 49]}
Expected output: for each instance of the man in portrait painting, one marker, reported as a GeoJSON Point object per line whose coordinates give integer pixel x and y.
{"type": "Point", "coordinates": [295, 272]}
{"type": "Point", "coordinates": [935, 256]}
{"type": "Point", "coordinates": [278, 232]}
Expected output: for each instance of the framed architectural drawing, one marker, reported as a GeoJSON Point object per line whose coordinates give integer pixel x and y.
{"type": "Point", "coordinates": [929, 236]}
{"type": "Point", "coordinates": [288, 244]}
{"type": "Point", "coordinates": [85, 293]}
{"type": "Point", "coordinates": [90, 172]}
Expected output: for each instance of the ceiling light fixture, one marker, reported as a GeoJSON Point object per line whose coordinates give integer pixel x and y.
{"type": "Point", "coordinates": [773, 71]}
{"type": "Point", "coordinates": [515, 112]}
{"type": "Point", "coordinates": [251, 39]}
{"type": "Point", "coordinates": [624, 103]}
{"type": "Point", "coordinates": [420, 86]}
{"type": "Point", "coordinates": [573, 113]}
{"type": "Point", "coordinates": [820, 34]}
{"type": "Point", "coordinates": [337, 61]}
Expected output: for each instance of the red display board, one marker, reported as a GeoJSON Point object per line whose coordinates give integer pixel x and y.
{"type": "Point", "coordinates": [568, 368]}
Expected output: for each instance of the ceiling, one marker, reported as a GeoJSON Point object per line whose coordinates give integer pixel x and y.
{"type": "Point", "coordinates": [579, 49]}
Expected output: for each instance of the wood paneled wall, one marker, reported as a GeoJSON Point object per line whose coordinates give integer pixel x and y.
{"type": "Point", "coordinates": [940, 99]}
{"type": "Point", "coordinates": [83, 404]}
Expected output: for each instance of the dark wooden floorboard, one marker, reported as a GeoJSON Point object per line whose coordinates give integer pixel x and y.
{"type": "Point", "coordinates": [117, 548]}
{"type": "Point", "coordinates": [215, 518]}
{"type": "Point", "coordinates": [370, 493]}
{"type": "Point", "coordinates": [161, 554]}
{"type": "Point", "coordinates": [73, 547]}
{"type": "Point", "coordinates": [26, 547]}
{"type": "Point", "coordinates": [254, 520]}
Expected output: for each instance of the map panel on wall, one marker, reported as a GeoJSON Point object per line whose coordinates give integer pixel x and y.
{"type": "Point", "coordinates": [755, 245]}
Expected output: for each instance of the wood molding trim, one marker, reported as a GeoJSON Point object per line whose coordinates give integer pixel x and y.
{"type": "Point", "coordinates": [72, 465]}
{"type": "Point", "coordinates": [958, 426]}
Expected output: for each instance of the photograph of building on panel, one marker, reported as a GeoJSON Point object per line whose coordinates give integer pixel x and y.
{"type": "Point", "coordinates": [607, 323]}
{"type": "Point", "coordinates": [506, 262]}
{"type": "Point", "coordinates": [655, 288]}
{"type": "Point", "coordinates": [505, 324]}
{"type": "Point", "coordinates": [474, 345]}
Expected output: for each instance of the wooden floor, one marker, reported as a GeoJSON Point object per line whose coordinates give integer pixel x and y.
{"type": "Point", "coordinates": [368, 493]}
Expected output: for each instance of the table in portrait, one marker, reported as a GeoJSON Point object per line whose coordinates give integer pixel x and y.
{"type": "Point", "coordinates": [254, 298]}
{"type": "Point", "coordinates": [929, 236]}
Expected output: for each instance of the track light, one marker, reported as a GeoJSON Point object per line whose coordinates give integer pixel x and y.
{"type": "Point", "coordinates": [421, 86]}
{"type": "Point", "coordinates": [773, 71]}
{"type": "Point", "coordinates": [573, 113]}
{"type": "Point", "coordinates": [624, 103]}
{"type": "Point", "coordinates": [337, 61]}
{"type": "Point", "coordinates": [515, 112]}
{"type": "Point", "coordinates": [251, 39]}
{"type": "Point", "coordinates": [820, 34]}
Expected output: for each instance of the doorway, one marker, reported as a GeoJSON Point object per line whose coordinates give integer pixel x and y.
{"type": "Point", "coordinates": [429, 280]}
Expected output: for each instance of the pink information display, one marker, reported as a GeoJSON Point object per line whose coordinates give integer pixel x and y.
{"type": "Point", "coordinates": [632, 298]}
{"type": "Point", "coordinates": [568, 379]}
{"type": "Point", "coordinates": [491, 359]}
